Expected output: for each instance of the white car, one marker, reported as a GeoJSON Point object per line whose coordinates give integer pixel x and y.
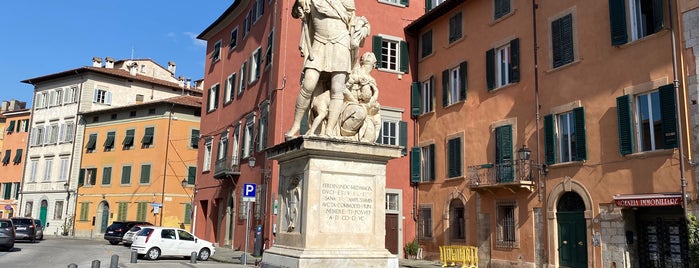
{"type": "Point", "coordinates": [153, 242]}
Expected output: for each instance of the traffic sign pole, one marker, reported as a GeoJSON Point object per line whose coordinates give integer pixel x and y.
{"type": "Point", "coordinates": [244, 259]}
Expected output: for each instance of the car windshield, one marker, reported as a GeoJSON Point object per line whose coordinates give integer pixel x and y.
{"type": "Point", "coordinates": [135, 229]}
{"type": "Point", "coordinates": [145, 232]}
{"type": "Point", "coordinates": [22, 221]}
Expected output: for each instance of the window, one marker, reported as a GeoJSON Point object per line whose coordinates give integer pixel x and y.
{"type": "Point", "coordinates": [270, 46]}
{"type": "Point", "coordinates": [457, 221]}
{"type": "Point", "coordinates": [125, 175]}
{"type": "Point", "coordinates": [506, 236]}
{"type": "Point", "coordinates": [430, 4]}
{"type": "Point", "coordinates": [37, 136]}
{"type": "Point", "coordinates": [145, 174]}
{"type": "Point", "coordinates": [428, 163]}
{"type": "Point", "coordinates": [207, 155]}
{"type": "Point", "coordinates": [235, 159]}
{"type": "Point", "coordinates": [501, 8]}
{"type": "Point", "coordinates": [6, 158]}
{"type": "Point", "coordinates": [48, 166]}
{"type": "Point", "coordinates": [17, 188]}
{"type": "Point", "coordinates": [84, 211]}
{"type": "Point", "coordinates": [11, 127]}
{"type": "Point", "coordinates": [454, 158]}
{"type": "Point", "coordinates": [89, 176]}
{"type": "Point", "coordinates": [651, 123]}
{"type": "Point", "coordinates": [106, 175]}
{"type": "Point", "coordinates": [455, 27]}
{"type": "Point", "coordinates": [425, 221]}
{"type": "Point", "coordinates": [645, 17]}
{"type": "Point", "coordinates": [109, 142]}
{"type": "Point", "coordinates": [91, 143]}
{"type": "Point", "coordinates": [562, 41]}
{"type": "Point", "coordinates": [58, 210]}
{"type": "Point", "coordinates": [66, 132]}
{"type": "Point", "coordinates": [404, 3]}
{"type": "Point", "coordinates": [255, 65]}
{"type": "Point", "coordinates": [248, 136]}
{"type": "Point", "coordinates": [260, 201]}
{"type": "Point", "coordinates": [262, 128]}
{"type": "Point", "coordinates": [18, 157]}
{"type": "Point", "coordinates": [128, 139]}
{"type": "Point", "coordinates": [52, 134]}
{"type": "Point", "coordinates": [426, 43]}
{"type": "Point", "coordinates": [141, 211]}
{"type": "Point", "coordinates": [243, 69]}
{"type": "Point", "coordinates": [502, 65]}
{"type": "Point", "coordinates": [389, 133]}
{"type": "Point", "coordinates": [230, 89]}
{"type": "Point", "coordinates": [194, 139]}
{"type": "Point", "coordinates": [184, 235]}
{"type": "Point", "coordinates": [6, 190]}
{"type": "Point", "coordinates": [213, 98]}
{"type": "Point", "coordinates": [59, 97]}
{"type": "Point", "coordinates": [187, 213]}
{"type": "Point", "coordinates": [28, 207]}
{"type": "Point", "coordinates": [258, 9]}
{"type": "Point", "coordinates": [123, 211]}
{"type": "Point", "coordinates": [70, 95]}
{"type": "Point", "coordinates": [234, 39]}
{"type": "Point", "coordinates": [454, 84]}
{"type": "Point", "coordinates": [191, 175]}
{"type": "Point", "coordinates": [391, 53]}
{"type": "Point", "coordinates": [40, 100]}
{"type": "Point", "coordinates": [392, 203]}
{"type": "Point", "coordinates": [222, 147]}
{"type": "Point", "coordinates": [564, 136]}
{"type": "Point", "coordinates": [503, 154]}
{"type": "Point", "coordinates": [148, 135]}
{"type": "Point", "coordinates": [427, 95]}
{"type": "Point", "coordinates": [63, 176]}
{"type": "Point", "coordinates": [247, 24]}
{"type": "Point", "coordinates": [33, 166]}
{"type": "Point", "coordinates": [102, 96]}
{"type": "Point", "coordinates": [216, 54]}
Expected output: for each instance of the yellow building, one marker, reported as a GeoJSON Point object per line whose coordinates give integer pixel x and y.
{"type": "Point", "coordinates": [139, 163]}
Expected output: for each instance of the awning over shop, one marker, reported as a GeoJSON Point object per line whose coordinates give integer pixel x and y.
{"type": "Point", "coordinates": [648, 200]}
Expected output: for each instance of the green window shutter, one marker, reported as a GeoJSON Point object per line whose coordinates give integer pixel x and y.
{"type": "Point", "coordinates": [141, 211]}
{"type": "Point", "coordinates": [148, 136]}
{"type": "Point", "coordinates": [7, 190]}
{"type": "Point", "coordinates": [11, 127]}
{"type": "Point", "coordinates": [191, 175]}
{"type": "Point", "coordinates": [658, 18]}
{"type": "Point", "coordinates": [187, 213]}
{"type": "Point", "coordinates": [145, 174]}
{"type": "Point", "coordinates": [405, 2]}
{"type": "Point", "coordinates": [81, 178]}
{"type": "Point", "coordinates": [432, 162]}
{"type": "Point", "coordinates": [503, 153]}
{"type": "Point", "coordinates": [106, 176]}
{"type": "Point", "coordinates": [415, 99]}
{"type": "Point", "coordinates": [109, 141]}
{"type": "Point", "coordinates": [428, 5]}
{"type": "Point", "coordinates": [128, 139]}
{"type": "Point", "coordinates": [18, 157]}
{"type": "Point", "coordinates": [91, 142]}
{"type": "Point", "coordinates": [6, 158]}
{"type": "Point", "coordinates": [451, 157]}
{"type": "Point", "coordinates": [668, 115]}
{"type": "Point", "coordinates": [415, 164]}
{"type": "Point", "coordinates": [376, 43]}
{"type": "Point", "coordinates": [123, 209]}
{"type": "Point", "coordinates": [404, 57]}
{"type": "Point", "coordinates": [549, 140]}
{"type": "Point", "coordinates": [567, 51]}
{"type": "Point", "coordinates": [556, 36]}
{"type": "Point", "coordinates": [624, 122]}
{"type": "Point", "coordinates": [216, 92]}
{"type": "Point", "coordinates": [490, 68]}
{"type": "Point", "coordinates": [403, 136]}
{"type": "Point", "coordinates": [126, 175]}
{"type": "Point", "coordinates": [617, 22]}
{"type": "Point", "coordinates": [445, 88]}
{"type": "Point", "coordinates": [463, 77]}
{"type": "Point", "coordinates": [514, 60]}
{"type": "Point", "coordinates": [455, 158]}
{"type": "Point", "coordinates": [194, 140]}
{"type": "Point", "coordinates": [580, 134]}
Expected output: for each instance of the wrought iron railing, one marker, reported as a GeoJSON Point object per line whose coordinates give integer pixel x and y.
{"type": "Point", "coordinates": [226, 166]}
{"type": "Point", "coordinates": [516, 171]}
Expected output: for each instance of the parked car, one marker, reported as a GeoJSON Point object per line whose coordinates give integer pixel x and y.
{"type": "Point", "coordinates": [128, 236]}
{"type": "Point", "coordinates": [24, 228]}
{"type": "Point", "coordinates": [153, 242]}
{"type": "Point", "coordinates": [115, 232]}
{"type": "Point", "coordinates": [39, 229]}
{"type": "Point", "coordinates": [7, 234]}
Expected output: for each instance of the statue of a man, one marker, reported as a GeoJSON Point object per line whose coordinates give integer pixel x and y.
{"type": "Point", "coordinates": [326, 45]}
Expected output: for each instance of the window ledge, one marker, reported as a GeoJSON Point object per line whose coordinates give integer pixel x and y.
{"type": "Point", "coordinates": [426, 114]}
{"type": "Point", "coordinates": [502, 87]}
{"type": "Point", "coordinates": [390, 71]}
{"type": "Point", "coordinates": [648, 154]}
{"type": "Point", "coordinates": [454, 178]}
{"type": "Point", "coordinates": [453, 43]}
{"type": "Point", "coordinates": [504, 17]}
{"type": "Point", "coordinates": [566, 164]}
{"type": "Point", "coordinates": [660, 33]}
{"type": "Point", "coordinates": [553, 70]}
{"type": "Point", "coordinates": [391, 4]}
{"type": "Point", "coordinates": [428, 56]}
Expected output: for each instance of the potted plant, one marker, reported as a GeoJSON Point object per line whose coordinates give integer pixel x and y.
{"type": "Point", "coordinates": [411, 249]}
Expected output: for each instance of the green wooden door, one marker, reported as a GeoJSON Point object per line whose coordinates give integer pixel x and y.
{"type": "Point", "coordinates": [43, 210]}
{"type": "Point", "coordinates": [105, 218]}
{"type": "Point", "coordinates": [572, 239]}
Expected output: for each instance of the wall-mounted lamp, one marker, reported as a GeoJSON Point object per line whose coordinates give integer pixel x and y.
{"type": "Point", "coordinates": [524, 155]}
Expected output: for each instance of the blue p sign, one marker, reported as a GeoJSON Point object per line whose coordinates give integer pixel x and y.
{"type": "Point", "coordinates": [249, 192]}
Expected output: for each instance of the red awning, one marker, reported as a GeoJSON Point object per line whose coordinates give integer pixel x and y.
{"type": "Point", "coordinates": [648, 200]}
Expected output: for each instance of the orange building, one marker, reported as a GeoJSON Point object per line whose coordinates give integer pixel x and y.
{"type": "Point", "coordinates": [15, 135]}
{"type": "Point", "coordinates": [139, 163]}
{"type": "Point", "coordinates": [551, 133]}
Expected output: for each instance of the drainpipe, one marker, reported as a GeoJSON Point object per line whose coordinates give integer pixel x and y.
{"type": "Point", "coordinates": [72, 158]}
{"type": "Point", "coordinates": [678, 102]}
{"type": "Point", "coordinates": [167, 148]}
{"type": "Point", "coordinates": [537, 105]}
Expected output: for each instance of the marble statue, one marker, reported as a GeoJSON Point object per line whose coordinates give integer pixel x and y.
{"type": "Point", "coordinates": [340, 106]}
{"type": "Point", "coordinates": [292, 198]}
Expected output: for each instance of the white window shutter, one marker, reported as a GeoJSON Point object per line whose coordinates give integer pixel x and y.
{"type": "Point", "coordinates": [109, 98]}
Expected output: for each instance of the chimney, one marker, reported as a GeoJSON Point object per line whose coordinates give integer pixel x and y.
{"type": "Point", "coordinates": [187, 83]}
{"type": "Point", "coordinates": [171, 66]}
{"type": "Point", "coordinates": [109, 62]}
{"type": "Point", "coordinates": [96, 62]}
{"type": "Point", "coordinates": [4, 106]}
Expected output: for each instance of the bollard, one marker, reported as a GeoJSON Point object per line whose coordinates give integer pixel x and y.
{"type": "Point", "coordinates": [72, 265]}
{"type": "Point", "coordinates": [193, 257]}
{"type": "Point", "coordinates": [134, 256]}
{"type": "Point", "coordinates": [96, 264]}
{"type": "Point", "coordinates": [114, 263]}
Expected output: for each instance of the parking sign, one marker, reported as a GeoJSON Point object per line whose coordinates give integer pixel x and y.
{"type": "Point", "coordinates": [249, 190]}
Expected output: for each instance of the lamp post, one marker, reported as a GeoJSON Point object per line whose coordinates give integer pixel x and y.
{"type": "Point", "coordinates": [524, 158]}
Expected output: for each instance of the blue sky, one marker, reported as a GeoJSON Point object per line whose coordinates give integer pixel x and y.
{"type": "Point", "coordinates": [45, 37]}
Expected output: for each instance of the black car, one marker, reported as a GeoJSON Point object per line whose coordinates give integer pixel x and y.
{"type": "Point", "coordinates": [116, 231]}
{"type": "Point", "coordinates": [24, 228]}
{"type": "Point", "coordinates": [7, 234]}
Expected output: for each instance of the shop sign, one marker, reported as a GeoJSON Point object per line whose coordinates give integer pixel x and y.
{"type": "Point", "coordinates": [650, 201]}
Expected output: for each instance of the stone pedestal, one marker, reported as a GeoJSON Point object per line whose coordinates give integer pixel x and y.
{"type": "Point", "coordinates": [332, 204]}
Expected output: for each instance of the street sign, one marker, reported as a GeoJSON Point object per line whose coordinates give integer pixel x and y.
{"type": "Point", "coordinates": [8, 207]}
{"type": "Point", "coordinates": [249, 190]}
{"type": "Point", "coordinates": [156, 205]}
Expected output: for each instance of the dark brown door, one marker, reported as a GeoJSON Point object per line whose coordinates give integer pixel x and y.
{"type": "Point", "coordinates": [392, 233]}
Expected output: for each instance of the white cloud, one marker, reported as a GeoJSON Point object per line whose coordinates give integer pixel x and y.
{"type": "Point", "coordinates": [193, 37]}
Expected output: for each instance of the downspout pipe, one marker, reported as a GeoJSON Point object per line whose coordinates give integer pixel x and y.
{"type": "Point", "coordinates": [165, 164]}
{"type": "Point", "coordinates": [537, 106]}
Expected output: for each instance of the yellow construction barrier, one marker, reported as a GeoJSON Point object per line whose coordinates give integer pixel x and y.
{"type": "Point", "coordinates": [466, 255]}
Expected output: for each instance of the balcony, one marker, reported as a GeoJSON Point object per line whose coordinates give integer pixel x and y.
{"type": "Point", "coordinates": [511, 175]}
{"type": "Point", "coordinates": [226, 168]}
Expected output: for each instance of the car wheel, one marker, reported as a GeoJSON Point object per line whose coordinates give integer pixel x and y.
{"type": "Point", "coordinates": [153, 254]}
{"type": "Point", "coordinates": [113, 242]}
{"type": "Point", "coordinates": [204, 254]}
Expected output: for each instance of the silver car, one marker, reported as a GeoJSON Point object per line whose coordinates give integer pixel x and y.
{"type": "Point", "coordinates": [128, 236]}
{"type": "Point", "coordinates": [39, 229]}
{"type": "Point", "coordinates": [7, 234]}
